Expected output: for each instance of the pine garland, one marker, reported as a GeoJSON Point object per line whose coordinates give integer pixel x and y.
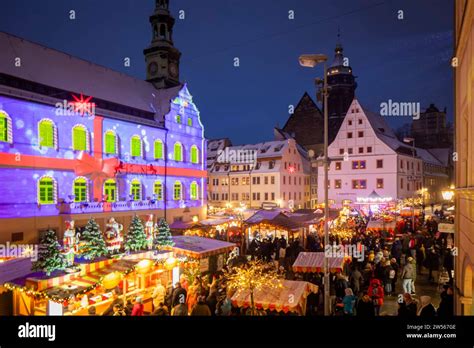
{"type": "Point", "coordinates": [50, 258]}
{"type": "Point", "coordinates": [136, 237]}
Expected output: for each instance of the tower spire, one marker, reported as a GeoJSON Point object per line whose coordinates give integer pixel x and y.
{"type": "Point", "coordinates": [162, 58]}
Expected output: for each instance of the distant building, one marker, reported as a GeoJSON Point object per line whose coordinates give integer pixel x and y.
{"type": "Point", "coordinates": [271, 172]}
{"type": "Point", "coordinates": [431, 130]}
{"type": "Point", "coordinates": [464, 121]}
{"type": "Point", "coordinates": [373, 166]}
{"type": "Point", "coordinates": [214, 147]}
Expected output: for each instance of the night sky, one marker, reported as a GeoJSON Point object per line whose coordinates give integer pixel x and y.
{"type": "Point", "coordinates": [403, 60]}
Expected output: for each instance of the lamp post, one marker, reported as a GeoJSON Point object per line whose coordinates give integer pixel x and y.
{"type": "Point", "coordinates": [310, 61]}
{"type": "Point", "coordinates": [412, 141]}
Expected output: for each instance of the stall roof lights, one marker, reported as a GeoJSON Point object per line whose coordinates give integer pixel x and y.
{"type": "Point", "coordinates": [374, 200]}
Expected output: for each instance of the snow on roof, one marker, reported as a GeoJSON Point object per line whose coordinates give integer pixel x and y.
{"type": "Point", "coordinates": [60, 70]}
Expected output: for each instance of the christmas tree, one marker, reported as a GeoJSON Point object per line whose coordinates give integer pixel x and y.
{"type": "Point", "coordinates": [163, 235]}
{"type": "Point", "coordinates": [50, 258]}
{"type": "Point", "coordinates": [92, 243]}
{"type": "Point", "coordinates": [136, 237]}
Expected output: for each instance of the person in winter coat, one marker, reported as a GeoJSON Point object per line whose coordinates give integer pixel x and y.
{"type": "Point", "coordinates": [446, 306]}
{"type": "Point", "coordinates": [413, 289]}
{"type": "Point", "coordinates": [376, 292]}
{"type": "Point", "coordinates": [211, 300]}
{"type": "Point", "coordinates": [180, 310]}
{"type": "Point", "coordinates": [396, 250]}
{"type": "Point", "coordinates": [407, 276]}
{"type": "Point", "coordinates": [432, 262]}
{"type": "Point", "coordinates": [407, 307]}
{"type": "Point", "coordinates": [365, 307]}
{"type": "Point", "coordinates": [161, 310]}
{"type": "Point", "coordinates": [179, 295]}
{"type": "Point", "coordinates": [396, 268]}
{"type": "Point", "coordinates": [158, 295]}
{"type": "Point", "coordinates": [349, 302]}
{"type": "Point", "coordinates": [388, 275]}
{"type": "Point", "coordinates": [201, 308]}
{"type": "Point", "coordinates": [426, 309]}
{"type": "Point", "coordinates": [340, 285]}
{"type": "Point", "coordinates": [356, 280]}
{"type": "Point", "coordinates": [137, 308]}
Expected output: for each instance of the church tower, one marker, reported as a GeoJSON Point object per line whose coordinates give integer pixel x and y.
{"type": "Point", "coordinates": [342, 90]}
{"type": "Point", "coordinates": [162, 58]}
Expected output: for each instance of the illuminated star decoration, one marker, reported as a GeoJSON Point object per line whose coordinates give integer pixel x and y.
{"type": "Point", "coordinates": [291, 169]}
{"type": "Point", "coordinates": [83, 105]}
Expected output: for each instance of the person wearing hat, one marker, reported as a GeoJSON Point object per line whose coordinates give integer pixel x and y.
{"type": "Point", "coordinates": [407, 276]}
{"type": "Point", "coordinates": [138, 307]}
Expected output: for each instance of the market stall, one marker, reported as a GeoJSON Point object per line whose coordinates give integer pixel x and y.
{"type": "Point", "coordinates": [313, 262]}
{"type": "Point", "coordinates": [290, 296]}
{"type": "Point", "coordinates": [210, 253]}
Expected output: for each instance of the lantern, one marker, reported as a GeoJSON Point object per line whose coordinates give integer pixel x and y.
{"type": "Point", "coordinates": [111, 280]}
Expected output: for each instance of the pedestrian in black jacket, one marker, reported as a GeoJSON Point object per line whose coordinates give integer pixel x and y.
{"type": "Point", "coordinates": [179, 295]}
{"type": "Point", "coordinates": [446, 306]}
{"type": "Point", "coordinates": [365, 307]}
{"type": "Point", "coordinates": [407, 308]}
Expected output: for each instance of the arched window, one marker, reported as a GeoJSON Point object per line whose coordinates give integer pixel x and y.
{"type": "Point", "coordinates": [158, 150]}
{"type": "Point", "coordinates": [158, 190]}
{"type": "Point", "coordinates": [46, 190]}
{"type": "Point", "coordinates": [177, 190]}
{"type": "Point", "coordinates": [194, 191]}
{"type": "Point", "coordinates": [111, 143]}
{"type": "Point", "coordinates": [5, 128]}
{"type": "Point", "coordinates": [178, 152]}
{"type": "Point", "coordinates": [47, 133]}
{"type": "Point", "coordinates": [136, 146]}
{"type": "Point", "coordinates": [136, 190]}
{"type": "Point", "coordinates": [80, 138]}
{"type": "Point", "coordinates": [190, 122]}
{"type": "Point", "coordinates": [110, 190]}
{"type": "Point", "coordinates": [194, 154]}
{"type": "Point", "coordinates": [162, 31]}
{"type": "Point", "coordinates": [178, 119]}
{"type": "Point", "coordinates": [80, 190]}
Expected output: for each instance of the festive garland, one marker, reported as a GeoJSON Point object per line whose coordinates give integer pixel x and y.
{"type": "Point", "coordinates": [42, 295]}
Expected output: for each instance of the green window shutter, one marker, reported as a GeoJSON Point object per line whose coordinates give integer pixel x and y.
{"type": "Point", "coordinates": [177, 191]}
{"type": "Point", "coordinates": [159, 191]}
{"type": "Point", "coordinates": [178, 118]}
{"type": "Point", "coordinates": [136, 191]}
{"type": "Point", "coordinates": [194, 191]}
{"type": "Point", "coordinates": [110, 190]}
{"type": "Point", "coordinates": [194, 155]}
{"type": "Point", "coordinates": [46, 191]}
{"type": "Point", "coordinates": [80, 190]}
{"type": "Point", "coordinates": [3, 128]}
{"type": "Point", "coordinates": [46, 133]}
{"type": "Point", "coordinates": [190, 122]}
{"type": "Point", "coordinates": [158, 150]}
{"type": "Point", "coordinates": [80, 139]}
{"type": "Point", "coordinates": [178, 153]}
{"type": "Point", "coordinates": [136, 147]}
{"type": "Point", "coordinates": [110, 141]}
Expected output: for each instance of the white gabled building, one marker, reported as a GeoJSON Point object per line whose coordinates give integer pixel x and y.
{"type": "Point", "coordinates": [272, 172]}
{"type": "Point", "coordinates": [372, 164]}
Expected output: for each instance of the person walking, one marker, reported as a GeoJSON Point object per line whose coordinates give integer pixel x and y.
{"type": "Point", "coordinates": [349, 302]}
{"type": "Point", "coordinates": [426, 309]}
{"type": "Point", "coordinates": [138, 307]}
{"type": "Point", "coordinates": [365, 307]}
{"type": "Point", "coordinates": [446, 306]}
{"type": "Point", "coordinates": [201, 308]}
{"type": "Point", "coordinates": [388, 275]}
{"type": "Point", "coordinates": [376, 292]}
{"type": "Point", "coordinates": [356, 280]}
{"type": "Point", "coordinates": [179, 295]}
{"type": "Point", "coordinates": [407, 276]}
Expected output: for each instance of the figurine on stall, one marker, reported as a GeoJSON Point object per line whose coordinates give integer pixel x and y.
{"type": "Point", "coordinates": [149, 231]}
{"type": "Point", "coordinates": [70, 243]}
{"type": "Point", "coordinates": [113, 235]}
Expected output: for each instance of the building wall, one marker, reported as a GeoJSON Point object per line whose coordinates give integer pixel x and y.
{"type": "Point", "coordinates": [464, 166]}
{"type": "Point", "coordinates": [23, 162]}
{"type": "Point", "coordinates": [347, 149]}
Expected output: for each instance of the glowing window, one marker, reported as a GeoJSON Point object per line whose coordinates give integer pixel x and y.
{"type": "Point", "coordinates": [46, 133]}
{"type": "Point", "coordinates": [177, 190]}
{"type": "Point", "coordinates": [80, 190]}
{"type": "Point", "coordinates": [46, 188]}
{"type": "Point", "coordinates": [136, 146]}
{"type": "Point", "coordinates": [158, 190]}
{"type": "Point", "coordinates": [136, 190]}
{"type": "Point", "coordinates": [158, 149]}
{"type": "Point", "coordinates": [194, 154]}
{"type": "Point", "coordinates": [178, 152]}
{"type": "Point", "coordinates": [110, 190]}
{"type": "Point", "coordinates": [79, 138]}
{"type": "Point", "coordinates": [110, 142]}
{"type": "Point", "coordinates": [194, 191]}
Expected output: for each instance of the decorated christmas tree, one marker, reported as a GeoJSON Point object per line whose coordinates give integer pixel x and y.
{"type": "Point", "coordinates": [50, 258]}
{"type": "Point", "coordinates": [136, 237]}
{"type": "Point", "coordinates": [92, 243]}
{"type": "Point", "coordinates": [163, 238]}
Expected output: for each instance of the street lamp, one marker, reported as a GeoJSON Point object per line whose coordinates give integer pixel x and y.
{"type": "Point", "coordinates": [310, 61]}
{"type": "Point", "coordinates": [412, 141]}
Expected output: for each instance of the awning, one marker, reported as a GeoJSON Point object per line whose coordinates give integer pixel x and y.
{"type": "Point", "coordinates": [274, 218]}
{"type": "Point", "coordinates": [313, 262]}
{"type": "Point", "coordinates": [289, 297]}
{"type": "Point", "coordinates": [199, 247]}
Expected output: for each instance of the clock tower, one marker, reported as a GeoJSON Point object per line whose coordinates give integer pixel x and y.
{"type": "Point", "coordinates": [162, 58]}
